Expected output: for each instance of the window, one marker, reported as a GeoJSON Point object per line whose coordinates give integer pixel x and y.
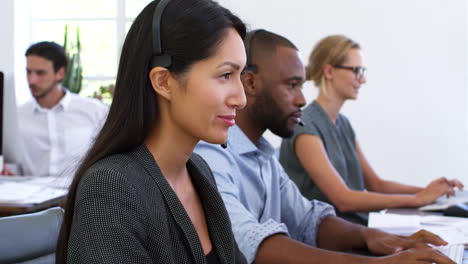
{"type": "Point", "coordinates": [102, 25]}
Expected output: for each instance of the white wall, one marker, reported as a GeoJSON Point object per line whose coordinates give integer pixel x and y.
{"type": "Point", "coordinates": [7, 41]}
{"type": "Point", "coordinates": [411, 116]}
{"type": "Point", "coordinates": [14, 42]}
{"type": "Point", "coordinates": [22, 41]}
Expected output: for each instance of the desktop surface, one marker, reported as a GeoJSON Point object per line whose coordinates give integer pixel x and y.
{"type": "Point", "coordinates": [26, 194]}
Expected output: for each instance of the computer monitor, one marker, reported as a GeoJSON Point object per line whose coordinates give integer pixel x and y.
{"type": "Point", "coordinates": [10, 139]}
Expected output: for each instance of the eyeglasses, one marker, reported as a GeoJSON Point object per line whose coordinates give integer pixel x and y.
{"type": "Point", "coordinates": [359, 71]}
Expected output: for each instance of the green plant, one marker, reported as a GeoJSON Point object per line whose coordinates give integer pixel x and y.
{"type": "Point", "coordinates": [105, 93]}
{"type": "Point", "coordinates": [74, 75]}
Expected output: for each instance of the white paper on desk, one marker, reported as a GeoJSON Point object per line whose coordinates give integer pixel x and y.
{"type": "Point", "coordinates": [451, 234]}
{"type": "Point", "coordinates": [454, 230]}
{"type": "Point", "coordinates": [20, 192]}
{"type": "Point", "coordinates": [16, 191]}
{"type": "Point", "coordinates": [443, 220]}
{"type": "Point", "coordinates": [395, 223]}
{"type": "Point", "coordinates": [15, 178]}
{"type": "Point", "coordinates": [51, 181]}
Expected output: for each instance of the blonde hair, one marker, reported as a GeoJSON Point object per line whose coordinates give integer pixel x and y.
{"type": "Point", "coordinates": [329, 50]}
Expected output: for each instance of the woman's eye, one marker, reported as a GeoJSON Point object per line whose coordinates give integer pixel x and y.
{"type": "Point", "coordinates": [292, 85]}
{"type": "Point", "coordinates": [226, 75]}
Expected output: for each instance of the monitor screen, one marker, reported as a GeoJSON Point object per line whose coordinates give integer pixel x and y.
{"type": "Point", "coordinates": [1, 113]}
{"type": "Point", "coordinates": [11, 149]}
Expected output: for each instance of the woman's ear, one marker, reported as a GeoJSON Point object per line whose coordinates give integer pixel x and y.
{"type": "Point", "coordinates": [161, 78]}
{"type": "Point", "coordinates": [327, 71]}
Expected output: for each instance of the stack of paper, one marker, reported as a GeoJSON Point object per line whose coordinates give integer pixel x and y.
{"type": "Point", "coordinates": [395, 223]}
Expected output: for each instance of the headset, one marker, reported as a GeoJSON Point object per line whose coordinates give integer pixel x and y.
{"type": "Point", "coordinates": [159, 58]}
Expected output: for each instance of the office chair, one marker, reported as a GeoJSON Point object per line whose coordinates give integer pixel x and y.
{"type": "Point", "coordinates": [30, 238]}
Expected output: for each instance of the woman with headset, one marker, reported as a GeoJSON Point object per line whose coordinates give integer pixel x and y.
{"type": "Point", "coordinates": [140, 195]}
{"type": "Point", "coordinates": [324, 158]}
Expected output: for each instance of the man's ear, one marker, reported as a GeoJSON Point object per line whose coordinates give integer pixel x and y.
{"type": "Point", "coordinates": [160, 78]}
{"type": "Point", "coordinates": [60, 74]}
{"type": "Point", "coordinates": [327, 71]}
{"type": "Point", "coordinates": [250, 83]}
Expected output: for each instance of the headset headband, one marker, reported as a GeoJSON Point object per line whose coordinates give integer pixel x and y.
{"type": "Point", "coordinates": [159, 58]}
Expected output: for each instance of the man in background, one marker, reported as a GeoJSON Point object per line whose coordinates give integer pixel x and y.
{"type": "Point", "coordinates": [271, 220]}
{"type": "Point", "coordinates": [57, 126]}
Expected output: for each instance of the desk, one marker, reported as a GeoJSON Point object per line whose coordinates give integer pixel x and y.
{"type": "Point", "coordinates": [19, 195]}
{"type": "Point", "coordinates": [7, 209]}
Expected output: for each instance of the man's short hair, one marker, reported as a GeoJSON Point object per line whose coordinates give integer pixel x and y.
{"type": "Point", "coordinates": [263, 43]}
{"type": "Point", "coordinates": [50, 51]}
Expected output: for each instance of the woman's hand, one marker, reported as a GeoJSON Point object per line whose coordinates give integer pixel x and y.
{"type": "Point", "coordinates": [437, 188]}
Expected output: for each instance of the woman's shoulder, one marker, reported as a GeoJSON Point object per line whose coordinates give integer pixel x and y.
{"type": "Point", "coordinates": [116, 163]}
{"type": "Point", "coordinates": [112, 171]}
{"type": "Point", "coordinates": [344, 120]}
{"type": "Point", "coordinates": [313, 114]}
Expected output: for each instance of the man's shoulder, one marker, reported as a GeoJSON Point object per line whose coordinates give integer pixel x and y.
{"type": "Point", "coordinates": [218, 158]}
{"type": "Point", "coordinates": [212, 151]}
{"type": "Point", "coordinates": [81, 104]}
{"type": "Point", "coordinates": [77, 98]}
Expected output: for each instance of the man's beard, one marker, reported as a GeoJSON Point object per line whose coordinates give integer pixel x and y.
{"type": "Point", "coordinates": [266, 112]}
{"type": "Point", "coordinates": [45, 92]}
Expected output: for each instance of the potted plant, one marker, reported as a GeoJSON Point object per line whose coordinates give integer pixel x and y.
{"type": "Point", "coordinates": [74, 75]}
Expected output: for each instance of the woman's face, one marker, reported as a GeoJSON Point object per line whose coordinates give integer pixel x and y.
{"type": "Point", "coordinates": [346, 82]}
{"type": "Point", "coordinates": [205, 103]}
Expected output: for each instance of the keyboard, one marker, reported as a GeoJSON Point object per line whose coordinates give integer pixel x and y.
{"type": "Point", "coordinates": [454, 252]}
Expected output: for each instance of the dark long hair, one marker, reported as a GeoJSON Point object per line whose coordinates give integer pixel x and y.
{"type": "Point", "coordinates": [190, 32]}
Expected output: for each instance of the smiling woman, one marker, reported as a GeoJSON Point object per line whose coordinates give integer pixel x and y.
{"type": "Point", "coordinates": [140, 195]}
{"type": "Point", "coordinates": [324, 157]}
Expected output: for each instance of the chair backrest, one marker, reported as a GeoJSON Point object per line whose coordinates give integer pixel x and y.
{"type": "Point", "coordinates": [29, 236]}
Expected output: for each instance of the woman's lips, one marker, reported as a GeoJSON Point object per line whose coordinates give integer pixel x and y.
{"type": "Point", "coordinates": [230, 120]}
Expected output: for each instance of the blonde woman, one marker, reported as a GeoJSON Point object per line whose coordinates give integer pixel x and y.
{"type": "Point", "coordinates": [324, 157]}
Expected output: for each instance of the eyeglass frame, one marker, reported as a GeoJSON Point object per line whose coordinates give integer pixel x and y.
{"type": "Point", "coordinates": [358, 71]}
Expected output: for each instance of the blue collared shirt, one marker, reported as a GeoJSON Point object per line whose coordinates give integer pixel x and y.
{"type": "Point", "coordinates": [260, 198]}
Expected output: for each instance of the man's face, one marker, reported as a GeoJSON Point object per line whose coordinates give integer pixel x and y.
{"type": "Point", "coordinates": [278, 106]}
{"type": "Point", "coordinates": [41, 75]}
